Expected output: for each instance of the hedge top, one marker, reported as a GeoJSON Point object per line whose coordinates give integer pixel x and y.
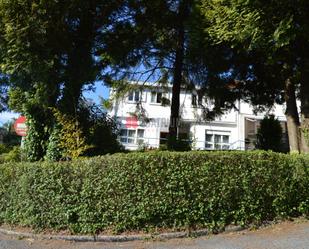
{"type": "Point", "coordinates": [155, 189]}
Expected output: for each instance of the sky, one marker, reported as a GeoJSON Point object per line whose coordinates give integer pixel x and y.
{"type": "Point", "coordinates": [100, 91]}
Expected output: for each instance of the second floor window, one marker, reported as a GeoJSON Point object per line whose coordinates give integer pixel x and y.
{"type": "Point", "coordinates": [156, 97]}
{"type": "Point", "coordinates": [134, 96]}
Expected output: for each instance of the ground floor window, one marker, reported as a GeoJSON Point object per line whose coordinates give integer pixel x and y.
{"type": "Point", "coordinates": [217, 140]}
{"type": "Point", "coordinates": [132, 136]}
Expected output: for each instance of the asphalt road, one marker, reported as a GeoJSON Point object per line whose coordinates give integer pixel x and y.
{"type": "Point", "coordinates": [282, 236]}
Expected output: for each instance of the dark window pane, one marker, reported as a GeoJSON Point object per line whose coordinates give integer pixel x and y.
{"type": "Point", "coordinates": [140, 133]}
{"type": "Point", "coordinates": [137, 97]}
{"type": "Point", "coordinates": [153, 97]}
{"type": "Point", "coordinates": [123, 140]}
{"type": "Point", "coordinates": [226, 139]}
{"type": "Point", "coordinates": [131, 96]}
{"type": "Point", "coordinates": [123, 132]}
{"type": "Point", "coordinates": [208, 138]}
{"type": "Point", "coordinates": [159, 97]}
{"type": "Point", "coordinates": [194, 98]}
{"type": "Point", "coordinates": [218, 146]}
{"type": "Point", "coordinates": [130, 141]}
{"type": "Point", "coordinates": [225, 147]}
{"type": "Point", "coordinates": [131, 133]}
{"type": "Point", "coordinates": [217, 139]}
{"type": "Point", "coordinates": [208, 146]}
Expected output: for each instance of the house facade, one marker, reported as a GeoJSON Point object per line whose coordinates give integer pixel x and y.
{"type": "Point", "coordinates": [143, 116]}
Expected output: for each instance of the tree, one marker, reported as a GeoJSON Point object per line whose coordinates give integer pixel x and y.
{"type": "Point", "coordinates": [161, 41]}
{"type": "Point", "coordinates": [269, 136]}
{"type": "Point", "coordinates": [72, 141]}
{"type": "Point", "coordinates": [48, 52]}
{"type": "Point", "coordinates": [101, 130]}
{"type": "Point", "coordinates": [154, 38]}
{"type": "Point", "coordinates": [279, 30]}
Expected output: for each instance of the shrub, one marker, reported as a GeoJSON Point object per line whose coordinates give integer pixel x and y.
{"type": "Point", "coordinates": [155, 189]}
{"type": "Point", "coordinates": [4, 148]}
{"type": "Point", "coordinates": [39, 121]}
{"type": "Point", "coordinates": [102, 132]}
{"type": "Point", "coordinates": [54, 151]}
{"type": "Point", "coordinates": [178, 144]}
{"type": "Point", "coordinates": [70, 139]}
{"type": "Point", "coordinates": [16, 154]}
{"type": "Point", "coordinates": [269, 136]}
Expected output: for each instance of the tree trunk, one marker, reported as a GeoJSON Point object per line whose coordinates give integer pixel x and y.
{"type": "Point", "coordinates": [183, 13]}
{"type": "Point", "coordinates": [80, 69]}
{"type": "Point", "coordinates": [292, 117]}
{"type": "Point", "coordinates": [304, 97]}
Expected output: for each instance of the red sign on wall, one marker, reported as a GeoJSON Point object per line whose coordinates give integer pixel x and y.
{"type": "Point", "coordinates": [20, 126]}
{"type": "Point", "coordinates": [131, 122]}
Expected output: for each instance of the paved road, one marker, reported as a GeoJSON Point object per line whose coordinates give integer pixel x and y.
{"type": "Point", "coordinates": [283, 236]}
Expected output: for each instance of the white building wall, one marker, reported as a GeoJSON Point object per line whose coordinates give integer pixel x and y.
{"type": "Point", "coordinates": [231, 123]}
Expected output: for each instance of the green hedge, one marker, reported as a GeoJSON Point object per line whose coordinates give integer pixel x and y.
{"type": "Point", "coordinates": [155, 189]}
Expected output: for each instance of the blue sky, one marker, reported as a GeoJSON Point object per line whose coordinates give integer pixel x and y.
{"type": "Point", "coordinates": [100, 91]}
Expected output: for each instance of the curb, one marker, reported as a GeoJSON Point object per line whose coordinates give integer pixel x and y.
{"type": "Point", "coordinates": [115, 238]}
{"type": "Point", "coordinates": [103, 238]}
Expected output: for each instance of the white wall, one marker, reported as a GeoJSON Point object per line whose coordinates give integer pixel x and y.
{"type": "Point", "coordinates": [232, 122]}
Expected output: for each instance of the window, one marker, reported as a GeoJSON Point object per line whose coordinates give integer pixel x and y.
{"type": "Point", "coordinates": [134, 96]}
{"type": "Point", "coordinates": [140, 136]}
{"type": "Point", "coordinates": [131, 136]}
{"type": "Point", "coordinates": [217, 141]}
{"type": "Point", "coordinates": [194, 100]}
{"type": "Point", "coordinates": [156, 97]}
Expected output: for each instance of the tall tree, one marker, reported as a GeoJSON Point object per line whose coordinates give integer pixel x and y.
{"type": "Point", "coordinates": [48, 51]}
{"type": "Point", "coordinates": [160, 42]}
{"type": "Point", "coordinates": [278, 30]}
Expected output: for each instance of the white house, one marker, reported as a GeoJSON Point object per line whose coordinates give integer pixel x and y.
{"type": "Point", "coordinates": [235, 130]}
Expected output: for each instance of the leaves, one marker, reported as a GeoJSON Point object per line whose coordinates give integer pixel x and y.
{"type": "Point", "coordinates": [71, 138]}
{"type": "Point", "coordinates": [269, 136]}
{"type": "Point", "coordinates": [155, 190]}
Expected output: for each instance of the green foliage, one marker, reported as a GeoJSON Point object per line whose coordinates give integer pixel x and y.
{"type": "Point", "coordinates": [269, 136]}
{"type": "Point", "coordinates": [177, 144]}
{"type": "Point", "coordinates": [254, 24]}
{"type": "Point", "coordinates": [4, 148]}
{"type": "Point", "coordinates": [54, 151]}
{"type": "Point", "coordinates": [100, 130]}
{"type": "Point", "coordinates": [38, 123]}
{"type": "Point", "coordinates": [155, 189]}
{"type": "Point", "coordinates": [14, 155]}
{"type": "Point", "coordinates": [71, 139]}
{"type": "Point", "coordinates": [49, 52]}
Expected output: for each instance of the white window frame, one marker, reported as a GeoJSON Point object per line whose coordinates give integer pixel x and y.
{"type": "Point", "coordinates": [221, 145]}
{"type": "Point", "coordinates": [133, 140]}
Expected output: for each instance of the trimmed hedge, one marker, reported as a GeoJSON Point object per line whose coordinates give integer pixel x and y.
{"type": "Point", "coordinates": [155, 189]}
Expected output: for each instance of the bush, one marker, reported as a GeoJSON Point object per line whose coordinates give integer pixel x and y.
{"type": "Point", "coordinates": [269, 136]}
{"type": "Point", "coordinates": [4, 148]}
{"type": "Point", "coordinates": [177, 144]}
{"type": "Point", "coordinates": [155, 189]}
{"type": "Point", "coordinates": [14, 155]}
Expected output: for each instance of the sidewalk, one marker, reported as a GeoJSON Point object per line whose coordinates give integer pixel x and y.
{"type": "Point", "coordinates": [287, 235]}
